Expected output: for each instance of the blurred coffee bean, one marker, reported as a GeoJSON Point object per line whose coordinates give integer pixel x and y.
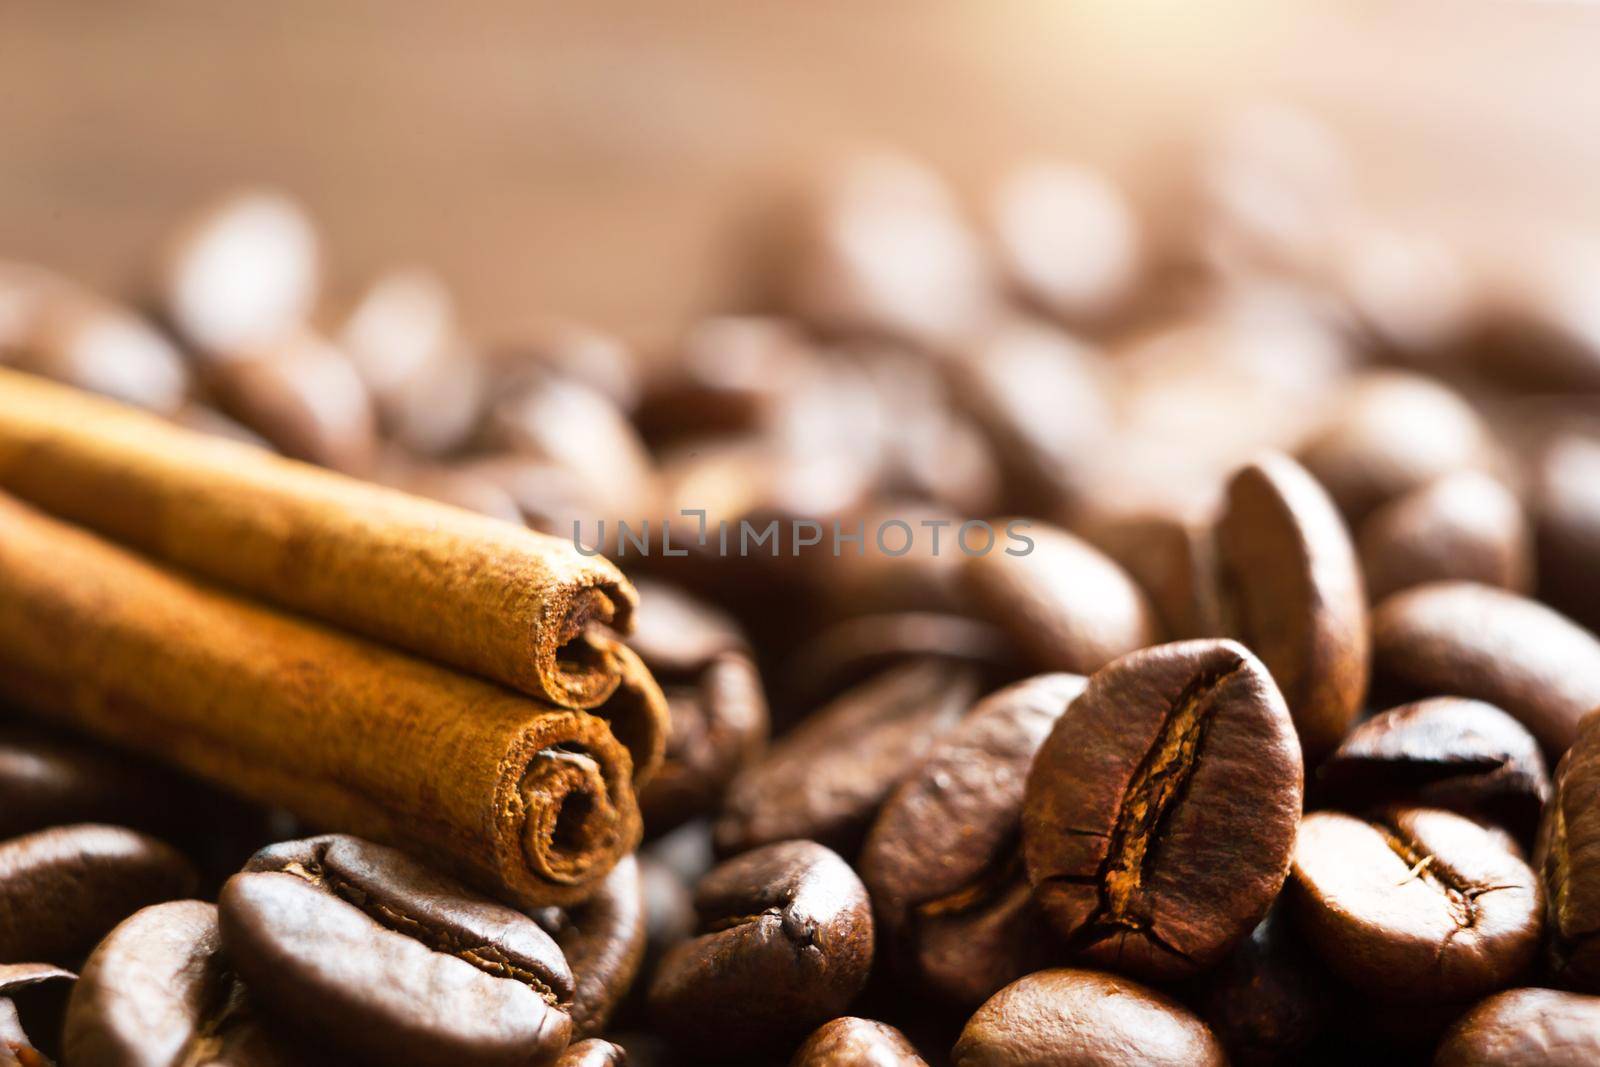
{"type": "Point", "coordinates": [668, 909]}
{"type": "Point", "coordinates": [1267, 1001]}
{"type": "Point", "coordinates": [1289, 589]}
{"type": "Point", "coordinates": [877, 576]}
{"type": "Point", "coordinates": [572, 350]}
{"type": "Point", "coordinates": [399, 325]}
{"type": "Point", "coordinates": [61, 889]}
{"type": "Point", "coordinates": [1068, 239]}
{"type": "Point", "coordinates": [1067, 606]}
{"type": "Point", "coordinates": [603, 941]}
{"type": "Point", "coordinates": [942, 861]}
{"type": "Point", "coordinates": [1566, 512]}
{"type": "Point", "coordinates": [207, 419]}
{"type": "Point", "coordinates": [786, 943]}
{"type": "Point", "coordinates": [826, 779]}
{"type": "Point", "coordinates": [458, 484]}
{"type": "Point", "coordinates": [1160, 813]}
{"type": "Point", "coordinates": [301, 394]}
{"type": "Point", "coordinates": [546, 496]}
{"type": "Point", "coordinates": [1533, 329]}
{"type": "Point", "coordinates": [1415, 904]}
{"type": "Point", "coordinates": [1464, 526]}
{"type": "Point", "coordinates": [1391, 433]}
{"type": "Point", "coordinates": [852, 1042]}
{"type": "Point", "coordinates": [885, 252]}
{"type": "Point", "coordinates": [18, 982]}
{"type": "Point", "coordinates": [374, 953]}
{"type": "Point", "coordinates": [1170, 555]}
{"type": "Point", "coordinates": [1409, 290]}
{"type": "Point", "coordinates": [593, 1053]}
{"type": "Point", "coordinates": [1447, 752]}
{"type": "Point", "coordinates": [1525, 1028]}
{"type": "Point", "coordinates": [1075, 1018]}
{"type": "Point", "coordinates": [85, 341]}
{"type": "Point", "coordinates": [1568, 858]}
{"type": "Point", "coordinates": [728, 375]}
{"type": "Point", "coordinates": [1484, 643]}
{"type": "Point", "coordinates": [243, 274]}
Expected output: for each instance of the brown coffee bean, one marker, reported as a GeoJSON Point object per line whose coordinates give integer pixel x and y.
{"type": "Point", "coordinates": [1170, 554]}
{"type": "Point", "coordinates": [85, 341]}
{"type": "Point", "coordinates": [1476, 641]}
{"type": "Point", "coordinates": [603, 941]}
{"type": "Point", "coordinates": [728, 375]}
{"type": "Point", "coordinates": [1074, 1018]}
{"type": "Point", "coordinates": [942, 860]}
{"type": "Point", "coordinates": [593, 1053]}
{"type": "Point", "coordinates": [1267, 1002]}
{"type": "Point", "coordinates": [1160, 813]}
{"type": "Point", "coordinates": [1464, 755]}
{"type": "Point", "coordinates": [1566, 511]}
{"type": "Point", "coordinates": [18, 981]}
{"type": "Point", "coordinates": [852, 1042]}
{"type": "Point", "coordinates": [1465, 526]}
{"type": "Point", "coordinates": [1531, 328]}
{"type": "Point", "coordinates": [1067, 606]}
{"type": "Point", "coordinates": [668, 909]}
{"type": "Point", "coordinates": [158, 992]}
{"type": "Point", "coordinates": [62, 889]}
{"type": "Point", "coordinates": [1525, 1028]}
{"type": "Point", "coordinates": [380, 956]}
{"type": "Point", "coordinates": [1392, 433]}
{"type": "Point", "coordinates": [1289, 589]}
{"type": "Point", "coordinates": [1416, 904]}
{"type": "Point", "coordinates": [874, 582]}
{"type": "Point", "coordinates": [786, 942]}
{"type": "Point", "coordinates": [826, 779]}
{"type": "Point", "coordinates": [1568, 858]}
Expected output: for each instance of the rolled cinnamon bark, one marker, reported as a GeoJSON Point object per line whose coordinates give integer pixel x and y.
{"type": "Point", "coordinates": [531, 803]}
{"type": "Point", "coordinates": [485, 596]}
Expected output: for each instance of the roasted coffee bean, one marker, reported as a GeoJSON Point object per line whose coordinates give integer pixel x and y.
{"type": "Point", "coordinates": [875, 582]}
{"type": "Point", "coordinates": [827, 778]}
{"type": "Point", "coordinates": [1073, 1018]}
{"type": "Point", "coordinates": [1568, 858]}
{"type": "Point", "coordinates": [159, 992]}
{"type": "Point", "coordinates": [1476, 641]}
{"type": "Point", "coordinates": [1170, 554]}
{"type": "Point", "coordinates": [1525, 1028]}
{"type": "Point", "coordinates": [571, 349]}
{"type": "Point", "coordinates": [943, 860]}
{"type": "Point", "coordinates": [1393, 432]}
{"type": "Point", "coordinates": [1463, 527]}
{"type": "Point", "coordinates": [1417, 904]}
{"type": "Point", "coordinates": [1531, 327]}
{"type": "Point", "coordinates": [603, 940]}
{"type": "Point", "coordinates": [727, 375]}
{"type": "Point", "coordinates": [1566, 510]}
{"type": "Point", "coordinates": [1267, 1000]}
{"type": "Point", "coordinates": [378, 955]}
{"type": "Point", "coordinates": [668, 909]}
{"type": "Point", "coordinates": [593, 1053]}
{"type": "Point", "coordinates": [786, 942]}
{"type": "Point", "coordinates": [1160, 813]}
{"type": "Point", "coordinates": [17, 980]}
{"type": "Point", "coordinates": [852, 1042]}
{"type": "Point", "coordinates": [82, 340]}
{"type": "Point", "coordinates": [62, 889]}
{"type": "Point", "coordinates": [1067, 606]}
{"type": "Point", "coordinates": [1447, 752]}
{"type": "Point", "coordinates": [1289, 589]}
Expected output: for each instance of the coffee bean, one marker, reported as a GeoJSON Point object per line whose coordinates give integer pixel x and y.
{"type": "Point", "coordinates": [159, 992]}
{"type": "Point", "coordinates": [875, 582]}
{"type": "Point", "coordinates": [942, 862]}
{"type": "Point", "coordinates": [1074, 1018]}
{"type": "Point", "coordinates": [571, 349]}
{"type": "Point", "coordinates": [1525, 1028]}
{"type": "Point", "coordinates": [1531, 329]}
{"type": "Point", "coordinates": [727, 375]}
{"type": "Point", "coordinates": [85, 341]}
{"type": "Point", "coordinates": [1566, 509]}
{"type": "Point", "coordinates": [1290, 590]}
{"type": "Point", "coordinates": [62, 889]}
{"type": "Point", "coordinates": [852, 1042]}
{"type": "Point", "coordinates": [1475, 641]}
{"type": "Point", "coordinates": [1067, 606]}
{"type": "Point", "coordinates": [1160, 813]}
{"type": "Point", "coordinates": [17, 982]}
{"type": "Point", "coordinates": [379, 955]}
{"type": "Point", "coordinates": [1466, 527]}
{"type": "Point", "coordinates": [593, 1053]}
{"type": "Point", "coordinates": [1464, 755]}
{"type": "Point", "coordinates": [1266, 1001]}
{"type": "Point", "coordinates": [1569, 861]}
{"type": "Point", "coordinates": [1170, 554]}
{"type": "Point", "coordinates": [826, 779]}
{"type": "Point", "coordinates": [603, 941]}
{"type": "Point", "coordinates": [786, 943]}
{"type": "Point", "coordinates": [1418, 904]}
{"type": "Point", "coordinates": [668, 908]}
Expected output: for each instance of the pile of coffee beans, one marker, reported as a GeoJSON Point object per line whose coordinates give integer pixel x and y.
{"type": "Point", "coordinates": [1096, 632]}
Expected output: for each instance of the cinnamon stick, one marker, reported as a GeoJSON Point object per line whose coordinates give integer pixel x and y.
{"type": "Point", "coordinates": [530, 802]}
{"type": "Point", "coordinates": [476, 593]}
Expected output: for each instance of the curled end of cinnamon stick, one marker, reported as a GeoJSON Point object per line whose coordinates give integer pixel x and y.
{"type": "Point", "coordinates": [637, 713]}
{"type": "Point", "coordinates": [576, 665]}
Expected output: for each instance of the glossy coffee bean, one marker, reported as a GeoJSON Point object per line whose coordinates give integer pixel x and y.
{"type": "Point", "coordinates": [942, 861]}
{"type": "Point", "coordinates": [1525, 1028]}
{"type": "Point", "coordinates": [785, 943]}
{"type": "Point", "coordinates": [1463, 527]}
{"type": "Point", "coordinates": [377, 954]}
{"type": "Point", "coordinates": [603, 940]}
{"type": "Point", "coordinates": [1066, 605]}
{"type": "Point", "coordinates": [1170, 554]}
{"type": "Point", "coordinates": [593, 1053]}
{"type": "Point", "coordinates": [1568, 858]}
{"type": "Point", "coordinates": [727, 375]}
{"type": "Point", "coordinates": [62, 889]}
{"type": "Point", "coordinates": [1074, 1018]}
{"type": "Point", "coordinates": [853, 1042]}
{"type": "Point", "coordinates": [159, 992]}
{"type": "Point", "coordinates": [1446, 752]}
{"type": "Point", "coordinates": [1160, 813]}
{"type": "Point", "coordinates": [1475, 641]}
{"type": "Point", "coordinates": [1268, 1000]}
{"type": "Point", "coordinates": [1415, 904]}
{"type": "Point", "coordinates": [18, 982]}
{"type": "Point", "coordinates": [825, 780]}
{"type": "Point", "coordinates": [1566, 511]}
{"type": "Point", "coordinates": [1290, 590]}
